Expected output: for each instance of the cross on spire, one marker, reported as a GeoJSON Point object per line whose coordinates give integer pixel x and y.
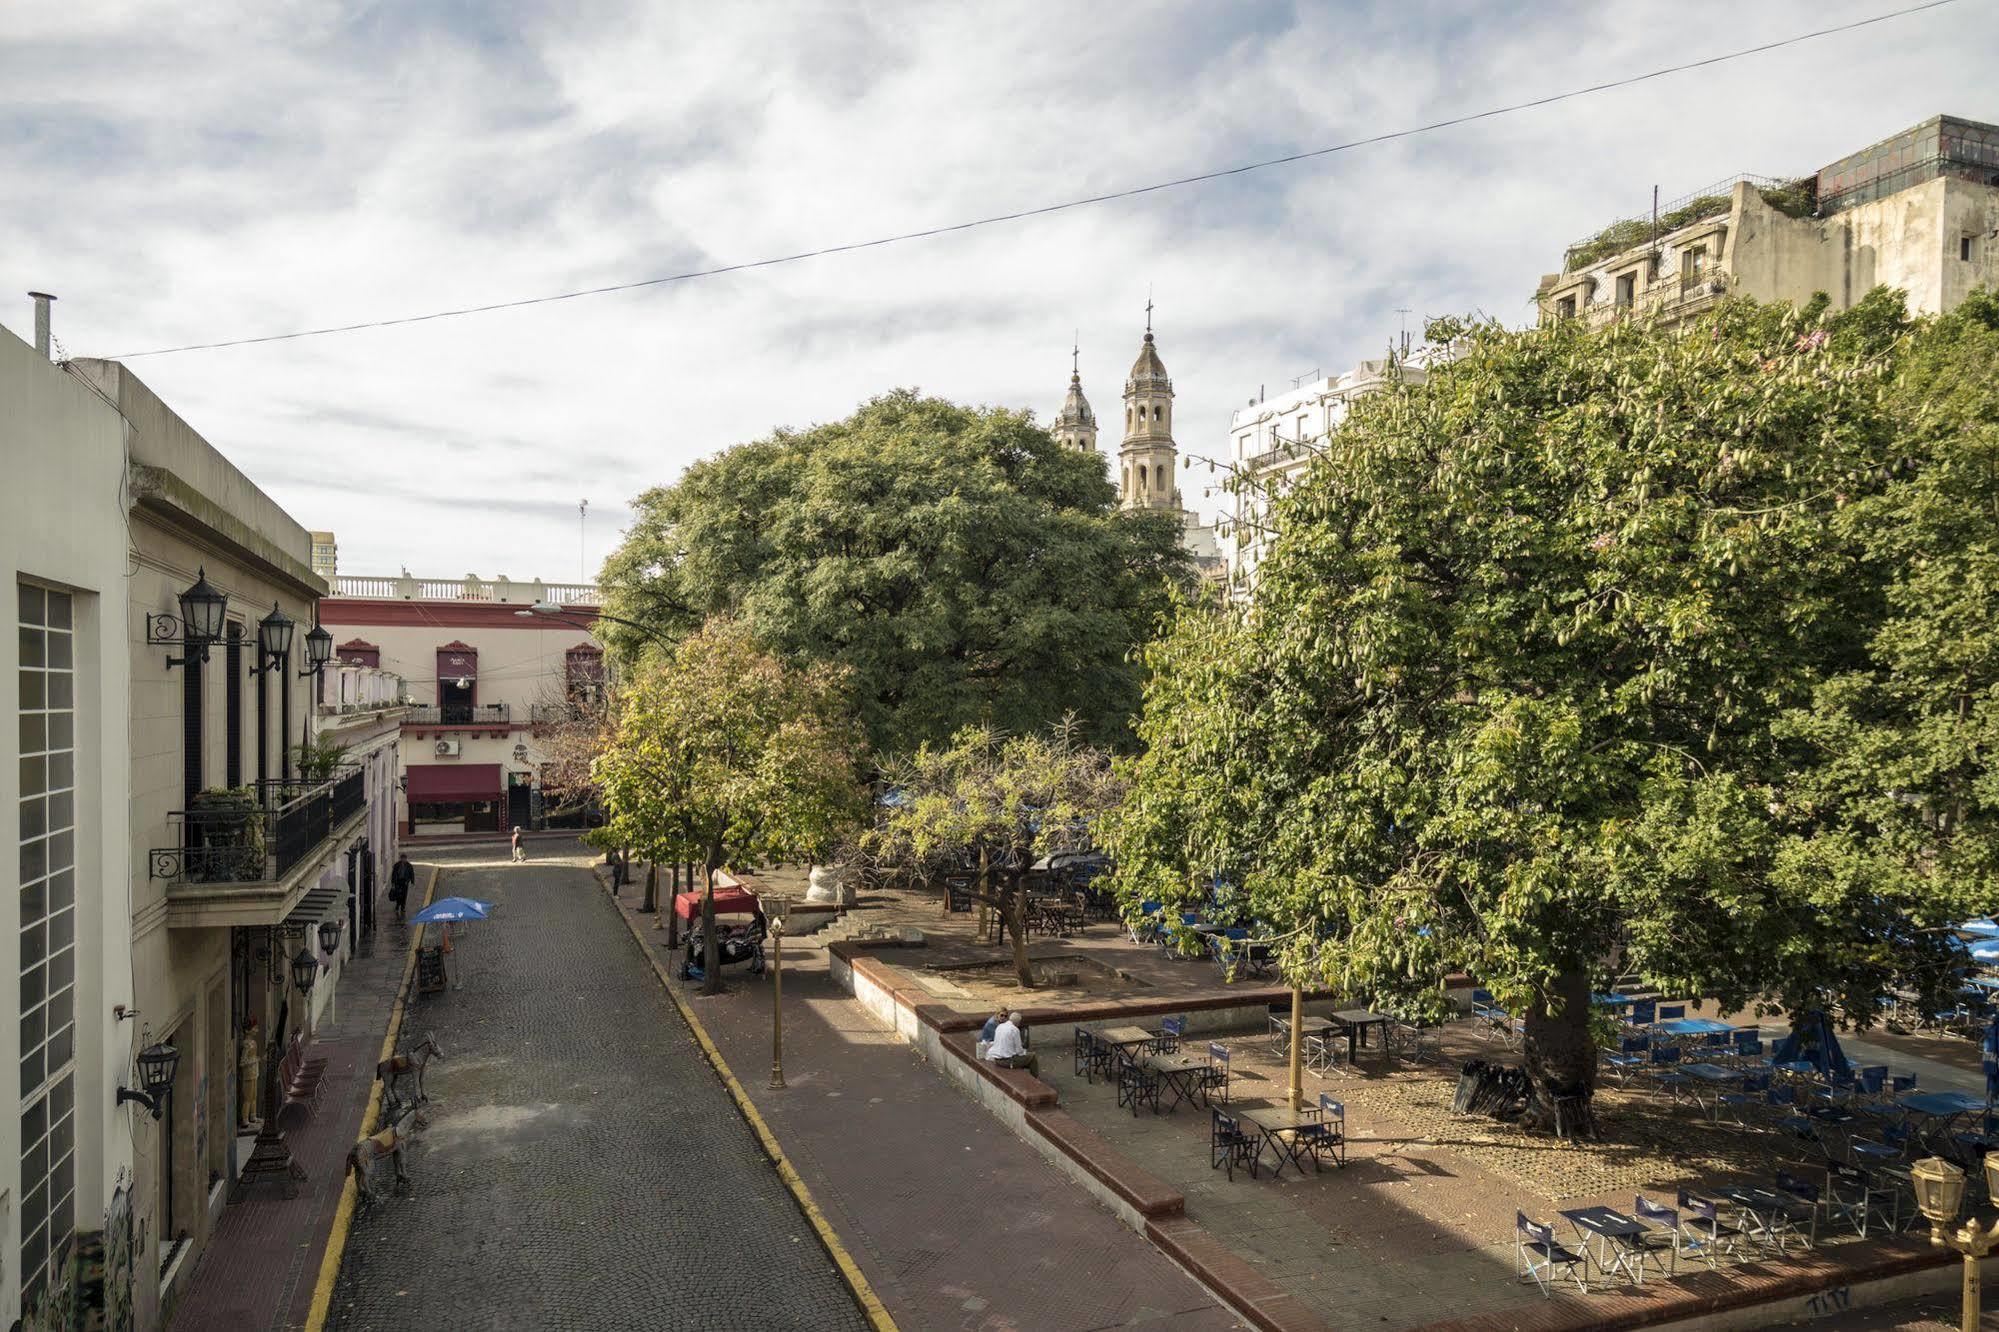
{"type": "Point", "coordinates": [1148, 309]}
{"type": "Point", "coordinates": [1076, 356]}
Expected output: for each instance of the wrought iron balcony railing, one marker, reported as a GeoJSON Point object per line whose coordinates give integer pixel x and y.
{"type": "Point", "coordinates": [260, 835]}
{"type": "Point", "coordinates": [460, 714]}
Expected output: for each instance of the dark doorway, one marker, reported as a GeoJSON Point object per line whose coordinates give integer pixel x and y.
{"type": "Point", "coordinates": [520, 801]}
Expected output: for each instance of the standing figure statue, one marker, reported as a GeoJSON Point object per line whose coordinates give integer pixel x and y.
{"type": "Point", "coordinates": [249, 1073]}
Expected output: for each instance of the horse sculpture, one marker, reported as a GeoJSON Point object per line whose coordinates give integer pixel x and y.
{"type": "Point", "coordinates": [391, 1071]}
{"type": "Point", "coordinates": [390, 1142]}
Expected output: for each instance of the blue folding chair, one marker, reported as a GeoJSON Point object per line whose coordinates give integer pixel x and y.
{"type": "Point", "coordinates": [1229, 1146]}
{"type": "Point", "coordinates": [1748, 1096]}
{"type": "Point", "coordinates": [1642, 1013]}
{"type": "Point", "coordinates": [1217, 1076]}
{"type": "Point", "coordinates": [1664, 1077]}
{"type": "Point", "coordinates": [1659, 1246]}
{"type": "Point", "coordinates": [1330, 1139]}
{"type": "Point", "coordinates": [1170, 1031]}
{"type": "Point", "coordinates": [1541, 1258]}
{"type": "Point", "coordinates": [1632, 1055]}
{"type": "Point", "coordinates": [1703, 1231]}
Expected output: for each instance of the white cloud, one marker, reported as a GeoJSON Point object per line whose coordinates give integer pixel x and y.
{"type": "Point", "coordinates": [192, 173]}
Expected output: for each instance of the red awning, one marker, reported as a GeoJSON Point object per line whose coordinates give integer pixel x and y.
{"type": "Point", "coordinates": [730, 899]}
{"type": "Point", "coordinates": [448, 783]}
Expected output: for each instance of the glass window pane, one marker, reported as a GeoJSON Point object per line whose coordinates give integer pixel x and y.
{"type": "Point", "coordinates": [31, 689]}
{"type": "Point", "coordinates": [62, 771]}
{"type": "Point", "coordinates": [62, 726]}
{"type": "Point", "coordinates": [33, 1030]}
{"type": "Point", "coordinates": [32, 981]}
{"type": "Point", "coordinates": [62, 810]}
{"type": "Point", "coordinates": [32, 603]}
{"type": "Point", "coordinates": [59, 649]}
{"type": "Point", "coordinates": [59, 610]}
{"type": "Point", "coordinates": [62, 1045]}
{"type": "Point", "coordinates": [34, 902]}
{"type": "Point", "coordinates": [62, 849]}
{"type": "Point", "coordinates": [61, 1008]}
{"type": "Point", "coordinates": [31, 1072]}
{"type": "Point", "coordinates": [32, 653]}
{"type": "Point", "coordinates": [62, 929]}
{"type": "Point", "coordinates": [32, 952]}
{"type": "Point", "coordinates": [34, 1121]}
{"type": "Point", "coordinates": [34, 732]}
{"type": "Point", "coordinates": [34, 818]}
{"type": "Point", "coordinates": [34, 776]}
{"type": "Point", "coordinates": [62, 890]}
{"type": "Point", "coordinates": [61, 693]}
{"type": "Point", "coordinates": [34, 860]}
{"type": "Point", "coordinates": [62, 969]}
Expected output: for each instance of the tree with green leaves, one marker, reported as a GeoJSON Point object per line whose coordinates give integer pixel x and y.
{"type": "Point", "coordinates": [723, 754]}
{"type": "Point", "coordinates": [965, 568]}
{"type": "Point", "coordinates": [989, 805]}
{"type": "Point", "coordinates": [1610, 651]}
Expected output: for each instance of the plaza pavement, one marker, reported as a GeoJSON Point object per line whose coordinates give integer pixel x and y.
{"type": "Point", "coordinates": [584, 1167]}
{"type": "Point", "coordinates": [956, 1222]}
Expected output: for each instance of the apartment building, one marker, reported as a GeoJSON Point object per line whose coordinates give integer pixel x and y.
{"type": "Point", "coordinates": [484, 662]}
{"type": "Point", "coordinates": [1918, 210]}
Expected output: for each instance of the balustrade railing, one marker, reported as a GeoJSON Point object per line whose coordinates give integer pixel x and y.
{"type": "Point", "coordinates": [460, 714]}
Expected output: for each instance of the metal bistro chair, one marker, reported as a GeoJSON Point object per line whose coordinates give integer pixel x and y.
{"type": "Point", "coordinates": [1146, 929]}
{"type": "Point", "coordinates": [1748, 1096]}
{"type": "Point", "coordinates": [1703, 1231]}
{"type": "Point", "coordinates": [1664, 1078]}
{"type": "Point", "coordinates": [1541, 1258]}
{"type": "Point", "coordinates": [1086, 1054]}
{"type": "Point", "coordinates": [1324, 1051]}
{"type": "Point", "coordinates": [1408, 1039]}
{"type": "Point", "coordinates": [1806, 1202]}
{"type": "Point", "coordinates": [1330, 1139]}
{"type": "Point", "coordinates": [1229, 1146]}
{"type": "Point", "coordinates": [1170, 1031]}
{"type": "Point", "coordinates": [1642, 1014]}
{"type": "Point", "coordinates": [1856, 1194]}
{"type": "Point", "coordinates": [1136, 1084]}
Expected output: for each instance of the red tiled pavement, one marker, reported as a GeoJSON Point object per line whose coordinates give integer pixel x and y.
{"type": "Point", "coordinates": [260, 1265]}
{"type": "Point", "coordinates": [956, 1222]}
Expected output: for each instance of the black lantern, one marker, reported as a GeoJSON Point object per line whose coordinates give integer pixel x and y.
{"type": "Point", "coordinates": [318, 650]}
{"type": "Point", "coordinates": [157, 1063]}
{"type": "Point", "coordinates": [305, 970]}
{"type": "Point", "coordinates": [329, 935]}
{"type": "Point", "coordinates": [274, 634]}
{"type": "Point", "coordinates": [202, 611]}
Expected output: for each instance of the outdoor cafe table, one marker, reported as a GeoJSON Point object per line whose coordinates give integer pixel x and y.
{"type": "Point", "coordinates": [1694, 1027]}
{"type": "Point", "coordinates": [1280, 1029]}
{"type": "Point", "coordinates": [1128, 1038]}
{"type": "Point", "coordinates": [1611, 1241]}
{"type": "Point", "coordinates": [1184, 1074]}
{"type": "Point", "coordinates": [1944, 1108]}
{"type": "Point", "coordinates": [1708, 1080]}
{"type": "Point", "coordinates": [1770, 1216]}
{"type": "Point", "coordinates": [1355, 1022]}
{"type": "Point", "coordinates": [1284, 1130]}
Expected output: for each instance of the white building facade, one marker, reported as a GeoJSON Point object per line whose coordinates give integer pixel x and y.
{"type": "Point", "coordinates": [1272, 441]}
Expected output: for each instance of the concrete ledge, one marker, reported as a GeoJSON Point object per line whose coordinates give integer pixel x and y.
{"type": "Point", "coordinates": [1146, 1194]}
{"type": "Point", "coordinates": [1252, 1294]}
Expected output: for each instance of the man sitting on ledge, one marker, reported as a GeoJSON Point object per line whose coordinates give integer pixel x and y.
{"type": "Point", "coordinates": [1009, 1051]}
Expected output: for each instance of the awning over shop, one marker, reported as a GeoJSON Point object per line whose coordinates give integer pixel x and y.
{"type": "Point", "coordinates": [449, 783]}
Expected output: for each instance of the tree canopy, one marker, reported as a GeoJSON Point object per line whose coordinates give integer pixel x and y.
{"type": "Point", "coordinates": [1605, 651]}
{"type": "Point", "coordinates": [960, 564]}
{"type": "Point", "coordinates": [722, 754]}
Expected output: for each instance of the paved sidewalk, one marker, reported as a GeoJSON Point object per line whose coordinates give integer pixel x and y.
{"type": "Point", "coordinates": [259, 1267]}
{"type": "Point", "coordinates": [956, 1222]}
{"type": "Point", "coordinates": [584, 1167]}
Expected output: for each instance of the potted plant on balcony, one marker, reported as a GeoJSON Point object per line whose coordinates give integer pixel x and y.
{"type": "Point", "coordinates": [319, 758]}
{"type": "Point", "coordinates": [226, 837]}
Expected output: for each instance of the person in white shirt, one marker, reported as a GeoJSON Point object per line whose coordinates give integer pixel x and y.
{"type": "Point", "coordinates": [1009, 1051]}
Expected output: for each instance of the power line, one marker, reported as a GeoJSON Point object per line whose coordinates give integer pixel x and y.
{"type": "Point", "coordinates": [1066, 205]}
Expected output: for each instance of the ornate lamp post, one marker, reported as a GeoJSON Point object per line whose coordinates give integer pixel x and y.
{"type": "Point", "coordinates": [199, 625]}
{"type": "Point", "coordinates": [274, 653]}
{"type": "Point", "coordinates": [1939, 1193]}
{"type": "Point", "coordinates": [329, 935]}
{"type": "Point", "coordinates": [777, 995]}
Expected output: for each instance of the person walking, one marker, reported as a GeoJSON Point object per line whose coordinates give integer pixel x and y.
{"type": "Point", "coordinates": [400, 879]}
{"type": "Point", "coordinates": [519, 852]}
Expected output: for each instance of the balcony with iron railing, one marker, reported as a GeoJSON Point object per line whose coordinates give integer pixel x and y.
{"type": "Point", "coordinates": [460, 714]}
{"type": "Point", "coordinates": [250, 844]}
{"type": "Point", "coordinates": [347, 691]}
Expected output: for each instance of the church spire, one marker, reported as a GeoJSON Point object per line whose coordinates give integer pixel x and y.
{"type": "Point", "coordinates": [1148, 457]}
{"type": "Point", "coordinates": [1076, 425]}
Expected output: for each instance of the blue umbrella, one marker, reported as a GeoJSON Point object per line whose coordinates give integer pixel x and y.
{"type": "Point", "coordinates": [1984, 927]}
{"type": "Point", "coordinates": [450, 909]}
{"type": "Point", "coordinates": [1985, 950]}
{"type": "Point", "coordinates": [1811, 1041]}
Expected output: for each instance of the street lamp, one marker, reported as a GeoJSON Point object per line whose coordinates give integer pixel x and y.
{"type": "Point", "coordinates": [157, 1063]}
{"type": "Point", "coordinates": [1939, 1193]}
{"type": "Point", "coordinates": [329, 935]}
{"type": "Point", "coordinates": [305, 970]}
{"type": "Point", "coordinates": [202, 611]}
{"type": "Point", "coordinates": [318, 649]}
{"type": "Point", "coordinates": [274, 637]}
{"type": "Point", "coordinates": [549, 610]}
{"type": "Point", "coordinates": [782, 906]}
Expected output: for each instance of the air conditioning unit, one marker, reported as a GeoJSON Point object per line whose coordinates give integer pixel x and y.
{"type": "Point", "coordinates": [447, 748]}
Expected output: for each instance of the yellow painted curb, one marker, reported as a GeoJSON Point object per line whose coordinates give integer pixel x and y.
{"type": "Point", "coordinates": [864, 1294]}
{"type": "Point", "coordinates": [343, 1212]}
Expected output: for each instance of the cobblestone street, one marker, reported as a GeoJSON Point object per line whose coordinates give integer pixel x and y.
{"type": "Point", "coordinates": [583, 1168]}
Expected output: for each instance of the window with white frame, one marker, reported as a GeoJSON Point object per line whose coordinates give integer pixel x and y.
{"type": "Point", "coordinates": [47, 689]}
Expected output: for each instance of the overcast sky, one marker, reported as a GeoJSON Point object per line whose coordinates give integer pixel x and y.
{"type": "Point", "coordinates": [190, 172]}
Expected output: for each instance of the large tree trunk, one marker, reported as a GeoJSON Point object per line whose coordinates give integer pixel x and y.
{"type": "Point", "coordinates": [1016, 924]}
{"type": "Point", "coordinates": [651, 902]}
{"type": "Point", "coordinates": [1561, 1060]}
{"type": "Point", "coordinates": [711, 957]}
